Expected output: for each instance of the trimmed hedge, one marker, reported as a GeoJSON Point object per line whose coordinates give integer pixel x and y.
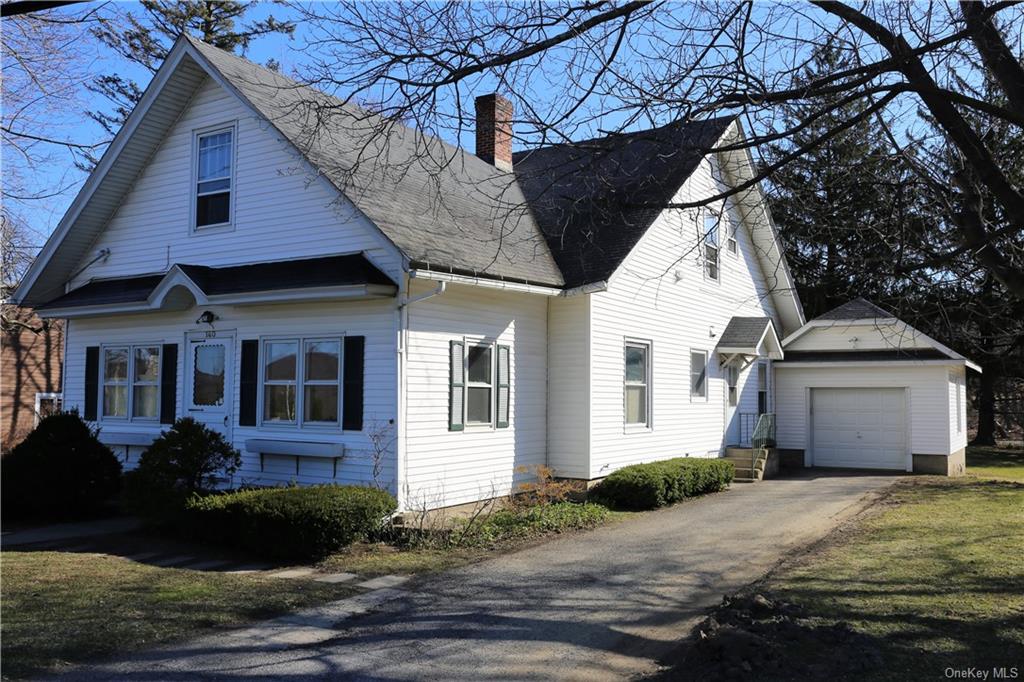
{"type": "Point", "coordinates": [289, 523]}
{"type": "Point", "coordinates": [518, 523]}
{"type": "Point", "coordinates": [656, 484]}
{"type": "Point", "coordinates": [60, 470]}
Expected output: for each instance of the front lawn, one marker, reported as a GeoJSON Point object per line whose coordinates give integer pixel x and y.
{"type": "Point", "coordinates": [930, 579]}
{"type": "Point", "coordinates": [63, 607]}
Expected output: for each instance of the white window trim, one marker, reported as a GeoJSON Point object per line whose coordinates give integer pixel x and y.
{"type": "Point", "coordinates": [703, 245]}
{"type": "Point", "coordinates": [467, 384]}
{"type": "Point", "coordinates": [300, 393]}
{"type": "Point", "coordinates": [130, 382]}
{"type": "Point", "coordinates": [649, 401]}
{"type": "Point", "coordinates": [767, 385]}
{"type": "Point", "coordinates": [957, 380]}
{"type": "Point", "coordinates": [47, 396]}
{"type": "Point", "coordinates": [732, 244]}
{"type": "Point", "coordinates": [194, 179]}
{"type": "Point", "coordinates": [689, 376]}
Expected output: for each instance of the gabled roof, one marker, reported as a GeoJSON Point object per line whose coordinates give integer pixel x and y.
{"type": "Point", "coordinates": [593, 200]}
{"type": "Point", "coordinates": [857, 309]}
{"type": "Point", "coordinates": [211, 285]}
{"type": "Point", "coordinates": [744, 336]}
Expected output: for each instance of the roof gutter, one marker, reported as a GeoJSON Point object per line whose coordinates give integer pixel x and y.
{"type": "Point", "coordinates": [506, 285]}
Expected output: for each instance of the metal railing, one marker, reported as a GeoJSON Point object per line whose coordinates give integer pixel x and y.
{"type": "Point", "coordinates": [757, 431]}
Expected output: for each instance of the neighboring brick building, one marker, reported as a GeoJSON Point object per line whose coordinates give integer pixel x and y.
{"type": "Point", "coordinates": [31, 364]}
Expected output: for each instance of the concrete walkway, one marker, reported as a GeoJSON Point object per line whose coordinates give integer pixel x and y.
{"type": "Point", "coordinates": [69, 531]}
{"type": "Point", "coordinates": [593, 606]}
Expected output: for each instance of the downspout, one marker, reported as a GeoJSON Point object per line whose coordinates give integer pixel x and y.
{"type": "Point", "coordinates": [401, 434]}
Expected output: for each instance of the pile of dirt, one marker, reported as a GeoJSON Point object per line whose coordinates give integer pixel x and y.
{"type": "Point", "coordinates": [754, 637]}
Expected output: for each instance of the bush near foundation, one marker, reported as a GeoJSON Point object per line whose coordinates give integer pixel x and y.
{"type": "Point", "coordinates": [656, 484]}
{"type": "Point", "coordinates": [289, 523]}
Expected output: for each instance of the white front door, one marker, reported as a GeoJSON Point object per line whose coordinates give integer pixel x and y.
{"type": "Point", "coordinates": [862, 428]}
{"type": "Point", "coordinates": [208, 370]}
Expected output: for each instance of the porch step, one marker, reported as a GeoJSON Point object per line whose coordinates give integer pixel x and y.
{"type": "Point", "coordinates": [748, 474]}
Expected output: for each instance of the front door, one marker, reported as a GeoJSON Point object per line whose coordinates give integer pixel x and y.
{"type": "Point", "coordinates": [208, 372]}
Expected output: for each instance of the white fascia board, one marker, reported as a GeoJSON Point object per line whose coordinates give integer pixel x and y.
{"type": "Point", "coordinates": [485, 282]}
{"type": "Point", "coordinates": [95, 178]}
{"type": "Point", "coordinates": [859, 364]}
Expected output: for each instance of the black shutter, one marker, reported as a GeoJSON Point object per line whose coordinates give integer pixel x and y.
{"type": "Point", "coordinates": [352, 398]}
{"type": "Point", "coordinates": [456, 385]}
{"type": "Point", "coordinates": [503, 387]}
{"type": "Point", "coordinates": [247, 390]}
{"type": "Point", "coordinates": [92, 381]}
{"type": "Point", "coordinates": [168, 382]}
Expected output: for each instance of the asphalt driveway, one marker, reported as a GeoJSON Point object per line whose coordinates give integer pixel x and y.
{"type": "Point", "coordinates": [599, 605]}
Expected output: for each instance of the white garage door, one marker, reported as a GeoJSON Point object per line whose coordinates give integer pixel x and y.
{"type": "Point", "coordinates": [864, 428]}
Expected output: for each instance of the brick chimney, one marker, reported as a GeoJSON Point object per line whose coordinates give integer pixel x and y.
{"type": "Point", "coordinates": [494, 130]}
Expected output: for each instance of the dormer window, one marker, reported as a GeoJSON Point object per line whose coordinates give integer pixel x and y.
{"type": "Point", "coordinates": [214, 169]}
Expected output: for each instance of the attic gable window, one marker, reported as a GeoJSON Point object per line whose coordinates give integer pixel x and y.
{"type": "Point", "coordinates": [214, 177]}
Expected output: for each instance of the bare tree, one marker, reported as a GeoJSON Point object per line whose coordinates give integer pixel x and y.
{"type": "Point", "coordinates": [575, 69]}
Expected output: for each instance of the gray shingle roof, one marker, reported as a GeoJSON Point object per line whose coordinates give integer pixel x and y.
{"type": "Point", "coordinates": [857, 309]}
{"type": "Point", "coordinates": [349, 269]}
{"type": "Point", "coordinates": [858, 355]}
{"type": "Point", "coordinates": [743, 332]}
{"type": "Point", "coordinates": [440, 205]}
{"type": "Point", "coordinates": [594, 199]}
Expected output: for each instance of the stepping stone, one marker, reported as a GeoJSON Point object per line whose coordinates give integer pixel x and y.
{"type": "Point", "coordinates": [336, 578]}
{"type": "Point", "coordinates": [207, 565]}
{"type": "Point", "coordinates": [142, 557]}
{"type": "Point", "coordinates": [171, 561]}
{"type": "Point", "coordinates": [293, 573]}
{"type": "Point", "coordinates": [249, 568]}
{"type": "Point", "coordinates": [383, 581]}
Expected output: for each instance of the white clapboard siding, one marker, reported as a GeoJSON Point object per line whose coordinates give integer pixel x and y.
{"type": "Point", "coordinates": [957, 384]}
{"type": "Point", "coordinates": [569, 386]}
{"type": "Point", "coordinates": [846, 336]}
{"type": "Point", "coordinates": [660, 295]}
{"type": "Point", "coordinates": [281, 208]}
{"type": "Point", "coordinates": [373, 319]}
{"type": "Point", "coordinates": [929, 400]}
{"type": "Point", "coordinates": [443, 467]}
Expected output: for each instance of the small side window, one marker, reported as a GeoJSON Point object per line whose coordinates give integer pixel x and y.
{"type": "Point", "coordinates": [710, 237]}
{"type": "Point", "coordinates": [732, 376]}
{"type": "Point", "coordinates": [480, 383]}
{"type": "Point", "coordinates": [698, 374]}
{"type": "Point", "coordinates": [762, 387]}
{"type": "Point", "coordinates": [637, 384]}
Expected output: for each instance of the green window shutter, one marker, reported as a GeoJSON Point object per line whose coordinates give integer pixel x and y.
{"type": "Point", "coordinates": [456, 386]}
{"type": "Point", "coordinates": [503, 387]}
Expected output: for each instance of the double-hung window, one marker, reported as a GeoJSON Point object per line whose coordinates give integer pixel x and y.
{"type": "Point", "coordinates": [710, 245]}
{"type": "Point", "coordinates": [131, 382]}
{"type": "Point", "coordinates": [302, 381]}
{"type": "Point", "coordinates": [698, 374]}
{"type": "Point", "coordinates": [730, 232]}
{"type": "Point", "coordinates": [214, 177]}
{"type": "Point", "coordinates": [637, 383]}
{"type": "Point", "coordinates": [479, 385]}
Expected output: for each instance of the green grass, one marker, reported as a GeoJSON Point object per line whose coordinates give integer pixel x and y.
{"type": "Point", "coordinates": [936, 578]}
{"type": "Point", "coordinates": [1005, 462]}
{"type": "Point", "coordinates": [61, 607]}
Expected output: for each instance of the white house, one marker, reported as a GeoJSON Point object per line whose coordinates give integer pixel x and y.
{"type": "Point", "coordinates": [355, 305]}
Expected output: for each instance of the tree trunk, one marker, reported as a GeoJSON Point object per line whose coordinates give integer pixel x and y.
{"type": "Point", "coordinates": [986, 409]}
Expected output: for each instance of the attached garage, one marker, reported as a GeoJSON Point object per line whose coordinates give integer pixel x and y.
{"type": "Point", "coordinates": [860, 389]}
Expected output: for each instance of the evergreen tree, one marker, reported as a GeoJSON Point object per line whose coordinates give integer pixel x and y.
{"type": "Point", "coordinates": [846, 210]}
{"type": "Point", "coordinates": [146, 37]}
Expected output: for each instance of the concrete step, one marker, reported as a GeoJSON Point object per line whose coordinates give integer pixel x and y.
{"type": "Point", "coordinates": [739, 462]}
{"type": "Point", "coordinates": [747, 472]}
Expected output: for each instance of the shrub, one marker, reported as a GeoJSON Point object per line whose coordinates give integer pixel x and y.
{"type": "Point", "coordinates": [656, 484]}
{"type": "Point", "coordinates": [521, 522]}
{"type": "Point", "coordinates": [60, 470]}
{"type": "Point", "coordinates": [186, 459]}
{"type": "Point", "coordinates": [289, 523]}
